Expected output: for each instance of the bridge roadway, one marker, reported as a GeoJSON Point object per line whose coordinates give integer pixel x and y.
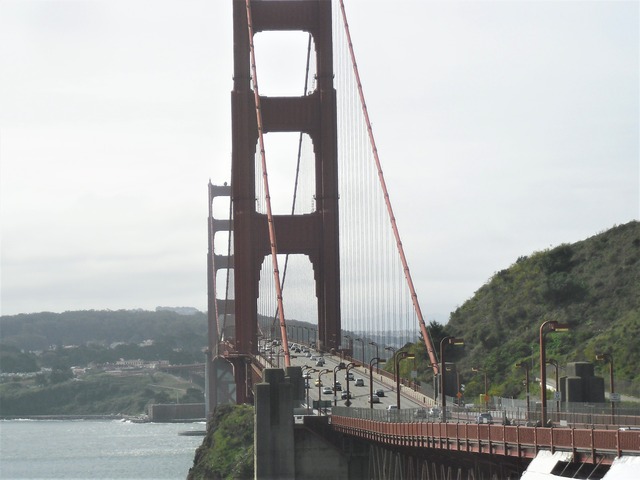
{"type": "Point", "coordinates": [394, 439]}
{"type": "Point", "coordinates": [360, 395]}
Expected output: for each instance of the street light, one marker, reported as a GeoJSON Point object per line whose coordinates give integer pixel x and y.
{"type": "Point", "coordinates": [459, 393]}
{"type": "Point", "coordinates": [400, 356]}
{"type": "Point", "coordinates": [307, 369]}
{"type": "Point", "coordinates": [393, 352]}
{"type": "Point", "coordinates": [349, 367]}
{"type": "Point", "coordinates": [374, 361]}
{"type": "Point", "coordinates": [361, 340]}
{"type": "Point", "coordinates": [553, 362]}
{"type": "Point", "coordinates": [320, 373]}
{"type": "Point", "coordinates": [607, 357]}
{"type": "Point", "coordinates": [526, 367]}
{"type": "Point", "coordinates": [443, 342]}
{"type": "Point", "coordinates": [349, 345]}
{"type": "Point", "coordinates": [375, 345]}
{"type": "Point", "coordinates": [553, 326]}
{"type": "Point", "coordinates": [486, 395]}
{"type": "Point", "coordinates": [340, 366]}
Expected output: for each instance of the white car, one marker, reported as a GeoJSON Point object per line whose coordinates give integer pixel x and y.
{"type": "Point", "coordinates": [327, 391]}
{"type": "Point", "coordinates": [374, 399]}
{"type": "Point", "coordinates": [359, 382]}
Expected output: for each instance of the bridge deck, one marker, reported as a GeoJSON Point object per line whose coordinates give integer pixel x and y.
{"type": "Point", "coordinates": [586, 445]}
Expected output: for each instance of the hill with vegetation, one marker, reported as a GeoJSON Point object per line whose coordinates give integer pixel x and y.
{"type": "Point", "coordinates": [98, 362]}
{"type": "Point", "coordinates": [593, 285]}
{"type": "Point", "coordinates": [40, 331]}
{"type": "Point", "coordinates": [227, 449]}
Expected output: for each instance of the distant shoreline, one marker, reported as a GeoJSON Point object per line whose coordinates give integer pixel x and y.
{"type": "Point", "coordinates": [71, 417]}
{"type": "Point", "coordinates": [130, 418]}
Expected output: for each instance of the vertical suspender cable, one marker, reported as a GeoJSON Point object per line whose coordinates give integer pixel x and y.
{"type": "Point", "coordinates": [213, 322]}
{"type": "Point", "coordinates": [297, 179]}
{"type": "Point", "coordinates": [407, 274]}
{"type": "Point", "coordinates": [226, 289]}
{"type": "Point", "coordinates": [265, 179]}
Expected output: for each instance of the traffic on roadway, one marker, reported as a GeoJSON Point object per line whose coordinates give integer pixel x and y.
{"type": "Point", "coordinates": [321, 370]}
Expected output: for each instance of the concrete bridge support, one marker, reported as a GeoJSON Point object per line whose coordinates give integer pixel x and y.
{"type": "Point", "coordinates": [307, 448]}
{"type": "Point", "coordinates": [273, 435]}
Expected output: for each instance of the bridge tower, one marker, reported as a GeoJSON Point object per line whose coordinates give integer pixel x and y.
{"type": "Point", "coordinates": [314, 234]}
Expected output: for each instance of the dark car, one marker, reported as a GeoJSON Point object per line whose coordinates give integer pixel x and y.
{"type": "Point", "coordinates": [485, 418]}
{"type": "Point", "coordinates": [380, 392]}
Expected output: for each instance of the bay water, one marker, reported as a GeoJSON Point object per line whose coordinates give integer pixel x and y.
{"type": "Point", "coordinates": [96, 449]}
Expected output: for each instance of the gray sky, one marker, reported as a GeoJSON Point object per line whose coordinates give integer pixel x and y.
{"type": "Point", "coordinates": [504, 128]}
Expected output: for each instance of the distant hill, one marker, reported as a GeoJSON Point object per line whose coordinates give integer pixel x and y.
{"type": "Point", "coordinates": [594, 285]}
{"type": "Point", "coordinates": [39, 331]}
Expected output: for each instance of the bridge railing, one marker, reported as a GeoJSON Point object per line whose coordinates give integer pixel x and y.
{"type": "Point", "coordinates": [585, 417]}
{"type": "Point", "coordinates": [399, 428]}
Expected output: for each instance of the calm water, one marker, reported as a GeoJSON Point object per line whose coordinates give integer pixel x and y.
{"type": "Point", "coordinates": [89, 449]}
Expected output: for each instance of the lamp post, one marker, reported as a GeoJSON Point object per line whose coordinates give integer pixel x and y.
{"type": "Point", "coordinates": [349, 345]}
{"type": "Point", "coordinates": [553, 362]}
{"type": "Point", "coordinates": [375, 345]}
{"type": "Point", "coordinates": [443, 342]}
{"type": "Point", "coordinates": [526, 367]}
{"type": "Point", "coordinates": [393, 352]}
{"type": "Point", "coordinates": [340, 366]}
{"type": "Point", "coordinates": [349, 367]}
{"type": "Point", "coordinates": [458, 392]}
{"type": "Point", "coordinates": [607, 357]}
{"type": "Point", "coordinates": [320, 373]}
{"type": "Point", "coordinates": [486, 385]}
{"type": "Point", "coordinates": [374, 361]}
{"type": "Point", "coordinates": [548, 326]}
{"type": "Point", "coordinates": [361, 340]}
{"type": "Point", "coordinates": [307, 369]}
{"type": "Point", "coordinates": [400, 356]}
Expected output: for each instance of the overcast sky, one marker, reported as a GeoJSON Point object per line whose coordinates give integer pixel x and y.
{"type": "Point", "coordinates": [504, 128]}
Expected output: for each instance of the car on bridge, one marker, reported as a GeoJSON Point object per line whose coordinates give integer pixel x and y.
{"type": "Point", "coordinates": [380, 392]}
{"type": "Point", "coordinates": [327, 391]}
{"type": "Point", "coordinates": [420, 413]}
{"type": "Point", "coordinates": [345, 395]}
{"type": "Point", "coordinates": [359, 382]}
{"type": "Point", "coordinates": [374, 399]}
{"type": "Point", "coordinates": [485, 418]}
{"type": "Point", "coordinates": [337, 387]}
{"type": "Point", "coordinates": [318, 383]}
{"type": "Point", "coordinates": [349, 376]}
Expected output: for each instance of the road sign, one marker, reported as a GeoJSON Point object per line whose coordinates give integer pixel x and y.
{"type": "Point", "coordinates": [321, 403]}
{"type": "Point", "coordinates": [614, 397]}
{"type": "Point", "coordinates": [557, 396]}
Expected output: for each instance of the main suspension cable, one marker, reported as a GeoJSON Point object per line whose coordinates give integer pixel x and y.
{"type": "Point", "coordinates": [265, 179]}
{"type": "Point", "coordinates": [405, 266]}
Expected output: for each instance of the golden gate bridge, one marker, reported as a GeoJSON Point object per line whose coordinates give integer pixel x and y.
{"type": "Point", "coordinates": [305, 232]}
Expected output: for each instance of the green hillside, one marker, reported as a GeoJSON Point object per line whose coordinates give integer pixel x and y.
{"type": "Point", "coordinates": [594, 285]}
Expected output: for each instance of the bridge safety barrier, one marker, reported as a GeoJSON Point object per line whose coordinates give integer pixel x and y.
{"type": "Point", "coordinates": [396, 428]}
